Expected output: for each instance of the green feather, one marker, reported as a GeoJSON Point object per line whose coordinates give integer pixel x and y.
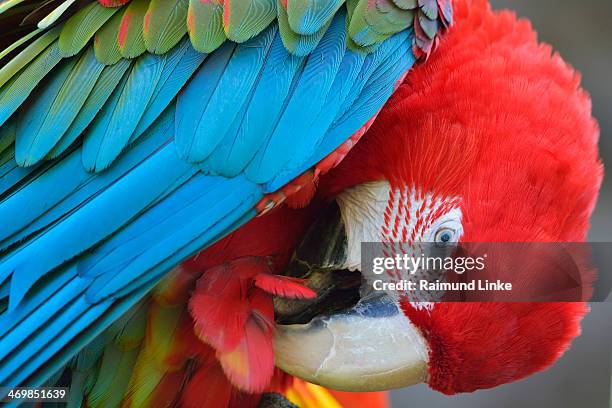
{"type": "Point", "coordinates": [27, 55]}
{"type": "Point", "coordinates": [105, 43]}
{"type": "Point", "coordinates": [45, 119]}
{"type": "Point", "coordinates": [369, 25]}
{"type": "Point", "coordinates": [20, 42]}
{"type": "Point", "coordinates": [297, 44]}
{"type": "Point", "coordinates": [389, 17]}
{"type": "Point", "coordinates": [7, 133]}
{"type": "Point", "coordinates": [406, 4]}
{"type": "Point", "coordinates": [81, 27]}
{"type": "Point", "coordinates": [307, 17]}
{"type": "Point", "coordinates": [52, 17]}
{"type": "Point", "coordinates": [7, 4]}
{"type": "Point", "coordinates": [146, 376]}
{"type": "Point", "coordinates": [205, 25]}
{"type": "Point", "coordinates": [130, 329]}
{"type": "Point", "coordinates": [165, 24]}
{"type": "Point", "coordinates": [16, 91]}
{"type": "Point", "coordinates": [132, 44]}
{"type": "Point", "coordinates": [106, 84]}
{"type": "Point", "coordinates": [113, 378]}
{"type": "Point", "coordinates": [246, 19]}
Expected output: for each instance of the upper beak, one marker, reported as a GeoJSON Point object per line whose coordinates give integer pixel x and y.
{"type": "Point", "coordinates": [371, 346]}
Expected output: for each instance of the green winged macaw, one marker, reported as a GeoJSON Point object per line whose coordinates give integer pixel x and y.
{"type": "Point", "coordinates": [185, 184]}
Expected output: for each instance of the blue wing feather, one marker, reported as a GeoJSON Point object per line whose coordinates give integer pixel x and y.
{"type": "Point", "coordinates": [209, 124]}
{"type": "Point", "coordinates": [113, 127]}
{"type": "Point", "coordinates": [306, 103]}
{"type": "Point", "coordinates": [175, 75]}
{"type": "Point", "coordinates": [191, 103]}
{"type": "Point", "coordinates": [43, 201]}
{"type": "Point", "coordinates": [277, 80]}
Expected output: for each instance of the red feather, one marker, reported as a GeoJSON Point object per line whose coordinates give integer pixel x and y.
{"type": "Point", "coordinates": [250, 365]}
{"type": "Point", "coordinates": [207, 388]}
{"type": "Point", "coordinates": [220, 308]}
{"type": "Point", "coordinates": [113, 3]}
{"type": "Point", "coordinates": [482, 345]}
{"type": "Point", "coordinates": [284, 286]}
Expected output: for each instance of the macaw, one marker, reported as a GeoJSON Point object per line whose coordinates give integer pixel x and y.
{"type": "Point", "coordinates": [139, 139]}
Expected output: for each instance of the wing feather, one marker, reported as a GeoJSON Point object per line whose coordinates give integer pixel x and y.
{"type": "Point", "coordinates": [105, 41]}
{"type": "Point", "coordinates": [81, 27]}
{"type": "Point", "coordinates": [48, 116]}
{"type": "Point", "coordinates": [165, 24]}
{"type": "Point", "coordinates": [200, 130]}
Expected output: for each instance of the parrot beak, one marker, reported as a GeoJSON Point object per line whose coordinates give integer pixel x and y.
{"type": "Point", "coordinates": [347, 338]}
{"type": "Point", "coordinates": [370, 347]}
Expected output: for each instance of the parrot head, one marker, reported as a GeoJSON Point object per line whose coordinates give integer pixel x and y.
{"type": "Point", "coordinates": [492, 140]}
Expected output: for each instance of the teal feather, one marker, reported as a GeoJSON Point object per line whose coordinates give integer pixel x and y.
{"type": "Point", "coordinates": [109, 79]}
{"type": "Point", "coordinates": [112, 128]}
{"type": "Point", "coordinates": [18, 88]}
{"type": "Point", "coordinates": [257, 123]}
{"type": "Point", "coordinates": [43, 122]}
{"type": "Point", "coordinates": [197, 135]}
{"type": "Point", "coordinates": [306, 102]}
{"type": "Point", "coordinates": [179, 68]}
{"type": "Point", "coordinates": [306, 17]}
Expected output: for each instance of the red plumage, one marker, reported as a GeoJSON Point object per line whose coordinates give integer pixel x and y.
{"type": "Point", "coordinates": [497, 119]}
{"type": "Point", "coordinates": [232, 306]}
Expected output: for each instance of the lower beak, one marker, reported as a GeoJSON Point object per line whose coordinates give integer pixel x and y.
{"type": "Point", "coordinates": [370, 347]}
{"type": "Point", "coordinates": [367, 346]}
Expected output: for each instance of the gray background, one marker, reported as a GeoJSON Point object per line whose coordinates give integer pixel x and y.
{"type": "Point", "coordinates": [581, 30]}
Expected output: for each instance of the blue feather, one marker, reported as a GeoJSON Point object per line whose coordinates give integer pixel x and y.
{"type": "Point", "coordinates": [96, 220]}
{"type": "Point", "coordinates": [257, 122]}
{"type": "Point", "coordinates": [8, 132]}
{"type": "Point", "coordinates": [304, 106]}
{"type": "Point", "coordinates": [112, 129]}
{"type": "Point", "coordinates": [11, 173]}
{"type": "Point", "coordinates": [43, 201]}
{"type": "Point", "coordinates": [194, 98]}
{"type": "Point", "coordinates": [165, 229]}
{"type": "Point", "coordinates": [177, 72]}
{"type": "Point", "coordinates": [377, 90]}
{"type": "Point", "coordinates": [45, 343]}
{"type": "Point", "coordinates": [40, 299]}
{"type": "Point", "coordinates": [39, 318]}
{"type": "Point", "coordinates": [313, 17]}
{"type": "Point", "coordinates": [198, 134]}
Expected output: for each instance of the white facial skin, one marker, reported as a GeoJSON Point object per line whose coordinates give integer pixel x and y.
{"type": "Point", "coordinates": [373, 212]}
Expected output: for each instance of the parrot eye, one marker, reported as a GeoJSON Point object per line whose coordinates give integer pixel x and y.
{"type": "Point", "coordinates": [445, 236]}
